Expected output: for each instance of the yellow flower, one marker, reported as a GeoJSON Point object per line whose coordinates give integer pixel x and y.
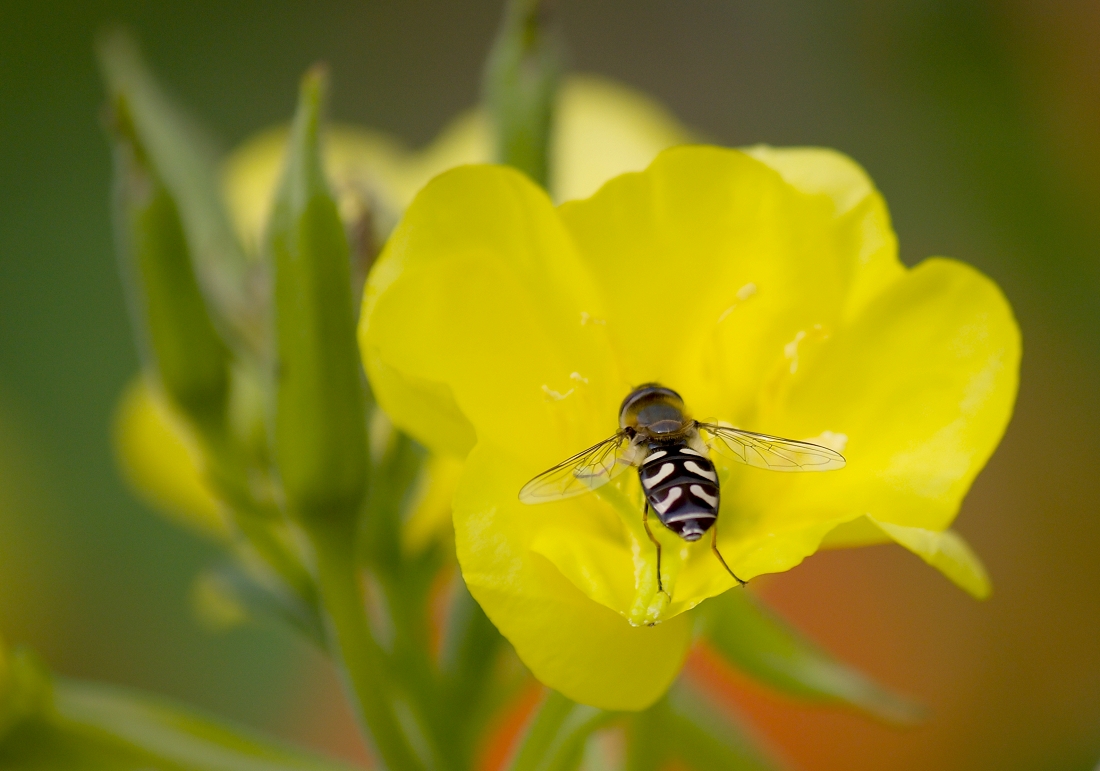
{"type": "Point", "coordinates": [763, 286]}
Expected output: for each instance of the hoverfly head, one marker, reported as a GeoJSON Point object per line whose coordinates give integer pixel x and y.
{"type": "Point", "coordinates": [654, 409]}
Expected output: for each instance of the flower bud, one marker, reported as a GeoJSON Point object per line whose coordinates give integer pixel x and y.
{"type": "Point", "coordinates": [521, 81]}
{"type": "Point", "coordinates": [320, 427]}
{"type": "Point", "coordinates": [185, 161]}
{"type": "Point", "coordinates": [175, 330]}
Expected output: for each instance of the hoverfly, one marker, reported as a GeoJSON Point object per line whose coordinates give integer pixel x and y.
{"type": "Point", "coordinates": [671, 452]}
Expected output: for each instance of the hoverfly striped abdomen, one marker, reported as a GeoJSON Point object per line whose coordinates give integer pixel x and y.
{"type": "Point", "coordinates": [681, 486]}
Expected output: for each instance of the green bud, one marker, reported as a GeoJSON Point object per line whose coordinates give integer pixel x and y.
{"type": "Point", "coordinates": [187, 163]}
{"type": "Point", "coordinates": [320, 428]}
{"type": "Point", "coordinates": [521, 82]}
{"type": "Point", "coordinates": [174, 327]}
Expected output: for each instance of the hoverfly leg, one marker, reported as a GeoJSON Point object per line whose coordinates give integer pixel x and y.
{"type": "Point", "coordinates": [718, 554]}
{"type": "Point", "coordinates": [653, 538]}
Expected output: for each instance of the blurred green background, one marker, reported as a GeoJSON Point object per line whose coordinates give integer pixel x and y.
{"type": "Point", "coordinates": [979, 121]}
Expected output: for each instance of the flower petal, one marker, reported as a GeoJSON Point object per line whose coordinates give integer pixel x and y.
{"type": "Point", "coordinates": [577, 646]}
{"type": "Point", "coordinates": [711, 262]}
{"type": "Point", "coordinates": [920, 385]}
{"type": "Point", "coordinates": [947, 552]}
{"type": "Point", "coordinates": [859, 210]}
{"type": "Point", "coordinates": [480, 294]}
{"type": "Point", "coordinates": [819, 170]}
{"type": "Point", "coordinates": [604, 129]}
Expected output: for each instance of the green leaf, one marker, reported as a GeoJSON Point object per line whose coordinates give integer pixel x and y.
{"type": "Point", "coordinates": [42, 746]}
{"type": "Point", "coordinates": [764, 647]}
{"type": "Point", "coordinates": [521, 81]}
{"type": "Point", "coordinates": [55, 723]}
{"type": "Point", "coordinates": [187, 163]}
{"type": "Point", "coordinates": [115, 724]}
{"type": "Point", "coordinates": [556, 738]}
{"type": "Point", "coordinates": [175, 329]}
{"type": "Point", "coordinates": [320, 428]}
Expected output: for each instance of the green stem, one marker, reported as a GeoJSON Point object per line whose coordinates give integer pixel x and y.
{"type": "Point", "coordinates": [228, 475]}
{"type": "Point", "coordinates": [470, 649]}
{"type": "Point", "coordinates": [410, 661]}
{"type": "Point", "coordinates": [646, 748]}
{"type": "Point", "coordinates": [404, 582]}
{"type": "Point", "coordinates": [401, 745]}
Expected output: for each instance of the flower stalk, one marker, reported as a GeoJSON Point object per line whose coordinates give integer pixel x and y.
{"type": "Point", "coordinates": [320, 424]}
{"type": "Point", "coordinates": [402, 744]}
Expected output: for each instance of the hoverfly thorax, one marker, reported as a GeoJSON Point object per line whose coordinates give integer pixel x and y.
{"type": "Point", "coordinates": [653, 411]}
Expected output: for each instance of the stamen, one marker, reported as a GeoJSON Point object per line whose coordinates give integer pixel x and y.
{"type": "Point", "coordinates": [555, 394]}
{"type": "Point", "coordinates": [790, 350]}
{"type": "Point", "coordinates": [744, 293]}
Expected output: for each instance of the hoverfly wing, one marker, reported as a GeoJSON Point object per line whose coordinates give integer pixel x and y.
{"type": "Point", "coordinates": [770, 452]}
{"type": "Point", "coordinates": [585, 471]}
